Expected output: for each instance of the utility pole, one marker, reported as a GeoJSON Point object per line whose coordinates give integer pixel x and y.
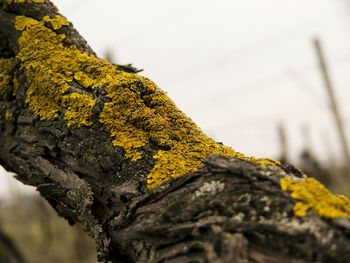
{"type": "Point", "coordinates": [333, 103]}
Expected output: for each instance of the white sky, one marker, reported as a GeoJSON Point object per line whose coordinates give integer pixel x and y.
{"type": "Point", "coordinates": [237, 68]}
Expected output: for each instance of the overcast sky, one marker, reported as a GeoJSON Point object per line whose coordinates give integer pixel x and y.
{"type": "Point", "coordinates": [237, 68]}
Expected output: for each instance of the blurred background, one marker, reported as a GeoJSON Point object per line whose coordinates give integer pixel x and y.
{"type": "Point", "coordinates": [268, 78]}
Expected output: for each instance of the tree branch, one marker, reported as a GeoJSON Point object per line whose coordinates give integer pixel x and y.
{"type": "Point", "coordinates": [108, 149]}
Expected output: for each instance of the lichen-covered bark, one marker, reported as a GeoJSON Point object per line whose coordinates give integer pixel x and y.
{"type": "Point", "coordinates": [108, 149]}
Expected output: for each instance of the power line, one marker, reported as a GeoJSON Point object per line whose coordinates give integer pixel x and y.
{"type": "Point", "coordinates": [178, 15]}
{"type": "Point", "coordinates": [255, 47]}
{"type": "Point", "coordinates": [304, 85]}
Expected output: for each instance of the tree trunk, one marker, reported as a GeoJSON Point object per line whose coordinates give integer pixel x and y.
{"type": "Point", "coordinates": [109, 150]}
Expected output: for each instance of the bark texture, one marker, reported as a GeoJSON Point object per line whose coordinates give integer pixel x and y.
{"type": "Point", "coordinates": [231, 208]}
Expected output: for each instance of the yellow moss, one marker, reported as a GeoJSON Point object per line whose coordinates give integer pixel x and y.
{"type": "Point", "coordinates": [57, 21]}
{"type": "Point", "coordinates": [8, 115]}
{"type": "Point", "coordinates": [78, 109]}
{"type": "Point", "coordinates": [138, 112]}
{"type": "Point", "coordinates": [314, 197]}
{"type": "Point", "coordinates": [6, 69]}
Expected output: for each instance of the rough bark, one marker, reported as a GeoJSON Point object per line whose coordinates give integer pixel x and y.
{"type": "Point", "coordinates": [231, 208]}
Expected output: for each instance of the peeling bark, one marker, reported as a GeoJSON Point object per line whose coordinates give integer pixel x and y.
{"type": "Point", "coordinates": [230, 209]}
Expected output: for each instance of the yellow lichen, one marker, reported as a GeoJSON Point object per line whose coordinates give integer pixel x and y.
{"type": "Point", "coordinates": [261, 161]}
{"type": "Point", "coordinates": [6, 69]}
{"type": "Point", "coordinates": [314, 197]}
{"type": "Point", "coordinates": [8, 2]}
{"type": "Point", "coordinates": [136, 119]}
{"type": "Point", "coordinates": [78, 109]}
{"type": "Point", "coordinates": [228, 235]}
{"type": "Point", "coordinates": [8, 115]}
{"type": "Point", "coordinates": [57, 21]}
{"type": "Point", "coordinates": [23, 22]}
{"type": "Point", "coordinates": [137, 114]}
{"type": "Point", "coordinates": [22, 1]}
{"type": "Point", "coordinates": [15, 86]}
{"type": "Point", "coordinates": [47, 66]}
